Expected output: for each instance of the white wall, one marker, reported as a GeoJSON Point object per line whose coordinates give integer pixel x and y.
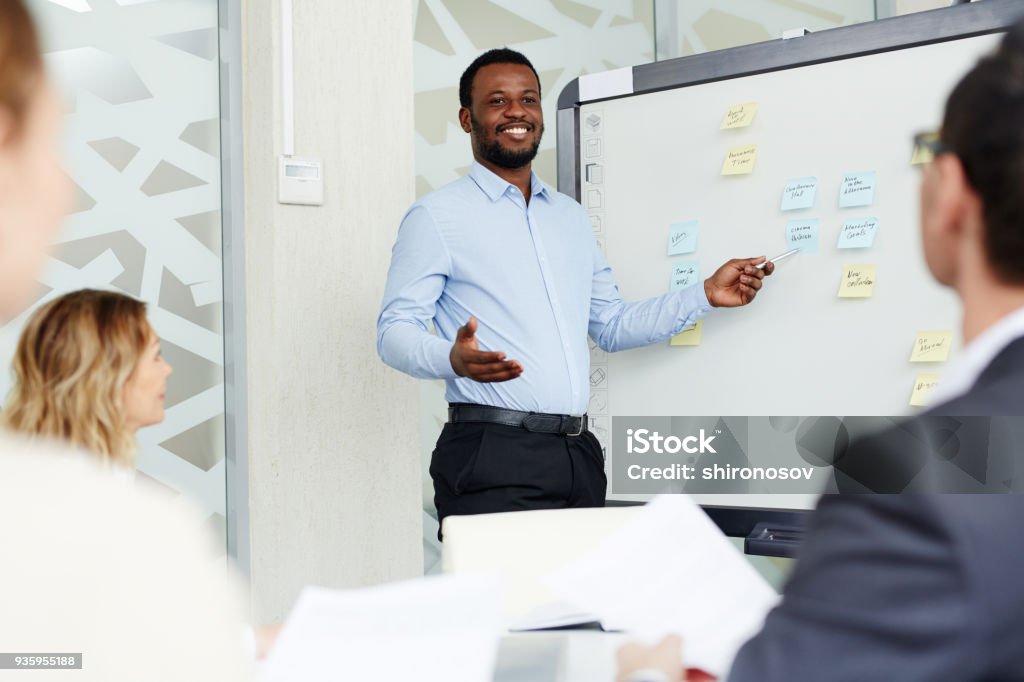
{"type": "Point", "coordinates": [333, 457]}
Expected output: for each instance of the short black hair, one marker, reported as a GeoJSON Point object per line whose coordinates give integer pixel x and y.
{"type": "Point", "coordinates": [501, 55]}
{"type": "Point", "coordinates": [984, 126]}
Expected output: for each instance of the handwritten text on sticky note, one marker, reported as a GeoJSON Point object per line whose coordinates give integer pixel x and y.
{"type": "Point", "coordinates": [684, 274]}
{"type": "Point", "coordinates": [932, 346]}
{"type": "Point", "coordinates": [803, 235]}
{"type": "Point", "coordinates": [857, 189]}
{"type": "Point", "coordinates": [740, 160]}
{"type": "Point", "coordinates": [682, 237]}
{"type": "Point", "coordinates": [858, 281]}
{"type": "Point", "coordinates": [923, 387]}
{"type": "Point", "coordinates": [858, 234]}
{"type": "Point", "coordinates": [689, 336]}
{"type": "Point", "coordinates": [739, 116]}
{"type": "Point", "coordinates": [799, 193]}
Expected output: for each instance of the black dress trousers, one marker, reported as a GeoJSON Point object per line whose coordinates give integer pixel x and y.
{"type": "Point", "coordinates": [481, 468]}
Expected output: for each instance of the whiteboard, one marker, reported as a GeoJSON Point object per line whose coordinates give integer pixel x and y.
{"type": "Point", "coordinates": [799, 349]}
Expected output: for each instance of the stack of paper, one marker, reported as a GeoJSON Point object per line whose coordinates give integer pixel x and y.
{"type": "Point", "coordinates": [552, 615]}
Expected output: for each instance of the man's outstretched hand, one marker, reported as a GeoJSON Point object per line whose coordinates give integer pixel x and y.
{"type": "Point", "coordinates": [737, 282]}
{"type": "Point", "coordinates": [471, 362]}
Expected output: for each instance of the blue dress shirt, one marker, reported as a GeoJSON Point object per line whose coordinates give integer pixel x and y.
{"type": "Point", "coordinates": [533, 276]}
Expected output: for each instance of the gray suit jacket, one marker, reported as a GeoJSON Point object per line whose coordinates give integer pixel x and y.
{"type": "Point", "coordinates": [907, 587]}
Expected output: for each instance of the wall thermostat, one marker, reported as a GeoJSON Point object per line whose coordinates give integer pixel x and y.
{"type": "Point", "coordinates": [300, 181]}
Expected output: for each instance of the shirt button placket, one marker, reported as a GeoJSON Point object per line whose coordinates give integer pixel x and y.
{"type": "Point", "coordinates": [542, 259]}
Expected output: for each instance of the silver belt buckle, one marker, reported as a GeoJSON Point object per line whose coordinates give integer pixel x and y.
{"type": "Point", "coordinates": [580, 432]}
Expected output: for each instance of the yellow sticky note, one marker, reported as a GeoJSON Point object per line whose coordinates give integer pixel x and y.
{"type": "Point", "coordinates": [858, 281]}
{"type": "Point", "coordinates": [689, 336]}
{"type": "Point", "coordinates": [923, 387]}
{"type": "Point", "coordinates": [921, 155]}
{"type": "Point", "coordinates": [932, 346]}
{"type": "Point", "coordinates": [740, 160]}
{"type": "Point", "coordinates": [739, 116]}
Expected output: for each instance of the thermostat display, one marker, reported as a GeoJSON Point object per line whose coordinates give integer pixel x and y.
{"type": "Point", "coordinates": [300, 181]}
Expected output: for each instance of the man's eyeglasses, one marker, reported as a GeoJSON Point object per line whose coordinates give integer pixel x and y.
{"type": "Point", "coordinates": [926, 147]}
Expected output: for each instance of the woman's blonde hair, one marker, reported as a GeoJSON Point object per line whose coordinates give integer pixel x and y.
{"type": "Point", "coordinates": [70, 369]}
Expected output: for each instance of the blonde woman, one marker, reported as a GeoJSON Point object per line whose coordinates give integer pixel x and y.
{"type": "Point", "coordinates": [88, 371]}
{"type": "Point", "coordinates": [89, 564]}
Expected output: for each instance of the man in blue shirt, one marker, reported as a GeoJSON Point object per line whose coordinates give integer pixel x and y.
{"type": "Point", "coordinates": [510, 275]}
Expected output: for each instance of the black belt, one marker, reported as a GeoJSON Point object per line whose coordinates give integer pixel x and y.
{"type": "Point", "coordinates": [537, 422]}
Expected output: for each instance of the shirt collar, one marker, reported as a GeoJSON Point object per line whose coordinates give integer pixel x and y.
{"type": "Point", "coordinates": [979, 354]}
{"type": "Point", "coordinates": [495, 187]}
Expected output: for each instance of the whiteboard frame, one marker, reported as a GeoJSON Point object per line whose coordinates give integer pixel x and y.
{"type": "Point", "coordinates": [848, 42]}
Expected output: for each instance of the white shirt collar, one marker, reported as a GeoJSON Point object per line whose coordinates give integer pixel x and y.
{"type": "Point", "coordinates": [979, 354]}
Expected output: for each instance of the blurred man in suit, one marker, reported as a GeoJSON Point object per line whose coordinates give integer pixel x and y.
{"type": "Point", "coordinates": [924, 587]}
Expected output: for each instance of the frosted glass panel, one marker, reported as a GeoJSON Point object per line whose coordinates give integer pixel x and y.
{"type": "Point", "coordinates": [705, 25]}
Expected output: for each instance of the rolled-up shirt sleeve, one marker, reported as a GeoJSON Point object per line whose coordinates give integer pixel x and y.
{"type": "Point", "coordinates": [420, 266]}
{"type": "Point", "coordinates": [616, 325]}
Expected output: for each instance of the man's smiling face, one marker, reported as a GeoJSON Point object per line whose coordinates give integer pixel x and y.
{"type": "Point", "coordinates": [505, 119]}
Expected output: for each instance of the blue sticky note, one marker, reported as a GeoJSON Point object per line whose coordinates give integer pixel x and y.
{"type": "Point", "coordinates": [803, 235]}
{"type": "Point", "coordinates": [682, 237]}
{"type": "Point", "coordinates": [857, 189]}
{"type": "Point", "coordinates": [858, 234]}
{"type": "Point", "coordinates": [684, 274]}
{"type": "Point", "coordinates": [799, 193]}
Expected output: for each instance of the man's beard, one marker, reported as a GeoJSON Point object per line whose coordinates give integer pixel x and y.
{"type": "Point", "coordinates": [498, 155]}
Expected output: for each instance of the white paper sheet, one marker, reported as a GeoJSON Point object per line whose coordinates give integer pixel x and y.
{"type": "Point", "coordinates": [672, 570]}
{"type": "Point", "coordinates": [438, 629]}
